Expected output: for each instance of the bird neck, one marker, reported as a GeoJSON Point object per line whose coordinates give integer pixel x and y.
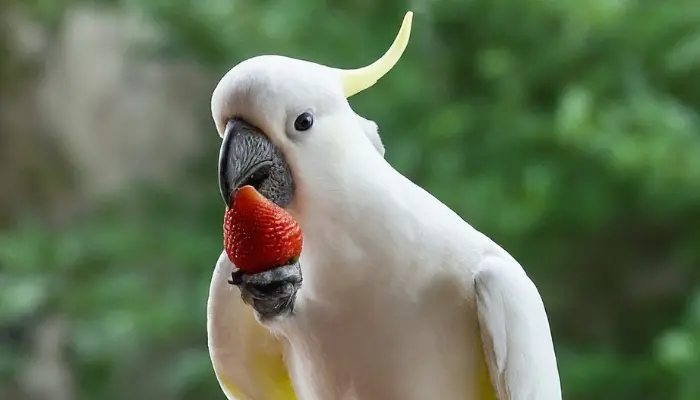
{"type": "Point", "coordinates": [355, 218]}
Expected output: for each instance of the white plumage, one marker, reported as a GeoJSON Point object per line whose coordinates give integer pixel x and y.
{"type": "Point", "coordinates": [399, 292]}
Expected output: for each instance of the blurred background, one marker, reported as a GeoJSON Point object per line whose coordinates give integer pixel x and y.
{"type": "Point", "coordinates": [566, 130]}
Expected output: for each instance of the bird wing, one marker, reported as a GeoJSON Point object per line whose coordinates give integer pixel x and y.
{"type": "Point", "coordinates": [247, 359]}
{"type": "Point", "coordinates": [515, 332]}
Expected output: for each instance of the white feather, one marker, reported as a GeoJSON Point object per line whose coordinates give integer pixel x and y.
{"type": "Point", "coordinates": [515, 331]}
{"type": "Point", "coordinates": [395, 283]}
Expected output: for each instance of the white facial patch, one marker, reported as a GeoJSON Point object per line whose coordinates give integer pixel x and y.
{"type": "Point", "coordinates": [372, 131]}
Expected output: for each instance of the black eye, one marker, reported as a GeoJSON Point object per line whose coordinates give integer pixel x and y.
{"type": "Point", "coordinates": [304, 122]}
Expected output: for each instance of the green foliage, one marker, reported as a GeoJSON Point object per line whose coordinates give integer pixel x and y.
{"type": "Point", "coordinates": [679, 350]}
{"type": "Point", "coordinates": [566, 130]}
{"type": "Point", "coordinates": [127, 280]}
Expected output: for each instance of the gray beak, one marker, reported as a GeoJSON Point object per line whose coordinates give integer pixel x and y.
{"type": "Point", "coordinates": [247, 157]}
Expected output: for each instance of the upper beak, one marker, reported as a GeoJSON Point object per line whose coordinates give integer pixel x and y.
{"type": "Point", "coordinates": [248, 157]}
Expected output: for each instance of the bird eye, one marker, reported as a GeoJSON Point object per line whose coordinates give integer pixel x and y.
{"type": "Point", "coordinates": [304, 122]}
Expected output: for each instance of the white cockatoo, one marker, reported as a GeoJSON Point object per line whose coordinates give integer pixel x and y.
{"type": "Point", "coordinates": [394, 297]}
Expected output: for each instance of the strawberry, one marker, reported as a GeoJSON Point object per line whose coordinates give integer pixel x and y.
{"type": "Point", "coordinates": [258, 234]}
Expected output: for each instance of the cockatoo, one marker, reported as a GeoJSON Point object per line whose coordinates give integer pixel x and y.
{"type": "Point", "coordinates": [395, 296]}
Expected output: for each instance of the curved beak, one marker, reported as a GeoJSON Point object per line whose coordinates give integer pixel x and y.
{"type": "Point", "coordinates": [247, 157]}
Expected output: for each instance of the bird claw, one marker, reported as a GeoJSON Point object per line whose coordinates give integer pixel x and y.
{"type": "Point", "coordinates": [271, 293]}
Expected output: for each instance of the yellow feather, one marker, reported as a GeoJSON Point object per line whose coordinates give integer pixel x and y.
{"type": "Point", "coordinates": [266, 365]}
{"type": "Point", "coordinates": [486, 390]}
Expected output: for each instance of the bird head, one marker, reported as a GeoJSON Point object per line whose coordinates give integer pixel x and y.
{"type": "Point", "coordinates": [287, 126]}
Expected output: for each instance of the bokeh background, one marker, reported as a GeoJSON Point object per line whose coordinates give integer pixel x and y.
{"type": "Point", "coordinates": [566, 130]}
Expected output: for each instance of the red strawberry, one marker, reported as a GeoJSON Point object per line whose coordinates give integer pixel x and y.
{"type": "Point", "coordinates": [258, 234]}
